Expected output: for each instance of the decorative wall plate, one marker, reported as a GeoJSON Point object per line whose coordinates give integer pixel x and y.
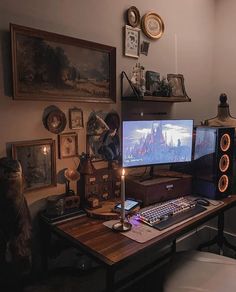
{"type": "Point", "coordinates": [56, 121]}
{"type": "Point", "coordinates": [152, 25]}
{"type": "Point", "coordinates": [133, 16]}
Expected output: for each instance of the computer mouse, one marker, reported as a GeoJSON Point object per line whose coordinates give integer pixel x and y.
{"type": "Point", "coordinates": [203, 202]}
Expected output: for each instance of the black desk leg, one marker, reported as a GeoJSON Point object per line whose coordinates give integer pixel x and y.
{"type": "Point", "coordinates": [219, 239]}
{"type": "Point", "coordinates": [110, 279]}
{"type": "Point", "coordinates": [45, 235]}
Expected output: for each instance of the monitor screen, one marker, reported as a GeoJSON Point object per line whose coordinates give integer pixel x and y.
{"type": "Point", "coordinates": [156, 142]}
{"type": "Point", "coordinates": [204, 142]}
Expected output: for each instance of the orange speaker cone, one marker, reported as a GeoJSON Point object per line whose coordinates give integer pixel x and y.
{"type": "Point", "coordinates": [223, 183]}
{"type": "Point", "coordinates": [225, 142]}
{"type": "Point", "coordinates": [224, 163]}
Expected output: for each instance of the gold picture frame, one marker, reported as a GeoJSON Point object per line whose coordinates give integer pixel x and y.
{"type": "Point", "coordinates": [76, 120]}
{"type": "Point", "coordinates": [68, 145]}
{"type": "Point", "coordinates": [152, 25]}
{"type": "Point", "coordinates": [176, 82]}
{"type": "Point", "coordinates": [38, 162]}
{"type": "Point", "coordinates": [50, 66]}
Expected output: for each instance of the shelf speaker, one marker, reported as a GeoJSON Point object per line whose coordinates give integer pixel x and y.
{"type": "Point", "coordinates": [213, 162]}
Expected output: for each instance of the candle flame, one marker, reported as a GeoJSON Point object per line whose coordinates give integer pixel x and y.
{"type": "Point", "coordinates": [123, 172]}
{"type": "Point", "coordinates": [44, 150]}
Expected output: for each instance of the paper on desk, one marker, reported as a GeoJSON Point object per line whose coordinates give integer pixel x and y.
{"type": "Point", "coordinates": [139, 232]}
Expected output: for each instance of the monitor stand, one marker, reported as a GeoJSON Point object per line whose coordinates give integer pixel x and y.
{"type": "Point", "coordinates": [150, 175]}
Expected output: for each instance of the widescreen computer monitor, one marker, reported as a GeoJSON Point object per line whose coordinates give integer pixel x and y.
{"type": "Point", "coordinates": [149, 143]}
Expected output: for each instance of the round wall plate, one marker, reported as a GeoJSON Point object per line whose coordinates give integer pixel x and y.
{"type": "Point", "coordinates": [56, 121]}
{"type": "Point", "coordinates": [152, 25]}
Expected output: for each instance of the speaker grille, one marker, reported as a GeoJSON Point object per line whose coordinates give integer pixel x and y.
{"type": "Point", "coordinates": [223, 183]}
{"type": "Point", "coordinates": [225, 142]}
{"type": "Point", "coordinates": [224, 163]}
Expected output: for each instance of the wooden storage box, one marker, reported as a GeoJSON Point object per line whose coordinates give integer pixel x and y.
{"type": "Point", "coordinates": [158, 189]}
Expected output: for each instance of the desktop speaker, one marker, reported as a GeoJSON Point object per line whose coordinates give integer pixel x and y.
{"type": "Point", "coordinates": [213, 162]}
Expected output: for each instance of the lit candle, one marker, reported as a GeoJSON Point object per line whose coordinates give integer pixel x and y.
{"type": "Point", "coordinates": [176, 54]}
{"type": "Point", "coordinates": [123, 195]}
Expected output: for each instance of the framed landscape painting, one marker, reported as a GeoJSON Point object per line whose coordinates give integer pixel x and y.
{"type": "Point", "coordinates": [49, 66]}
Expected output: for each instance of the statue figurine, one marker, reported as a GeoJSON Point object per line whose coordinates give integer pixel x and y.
{"type": "Point", "coordinates": [138, 79]}
{"type": "Point", "coordinates": [15, 222]}
{"type": "Point", "coordinates": [223, 117]}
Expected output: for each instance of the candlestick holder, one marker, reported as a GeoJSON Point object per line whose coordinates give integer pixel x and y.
{"type": "Point", "coordinates": [122, 225]}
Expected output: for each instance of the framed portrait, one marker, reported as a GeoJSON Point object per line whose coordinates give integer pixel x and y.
{"type": "Point", "coordinates": [56, 121]}
{"type": "Point", "coordinates": [38, 162]}
{"type": "Point", "coordinates": [132, 41]}
{"type": "Point", "coordinates": [76, 118]}
{"type": "Point", "coordinates": [176, 82]}
{"type": "Point", "coordinates": [49, 66]}
{"type": "Point", "coordinates": [133, 16]}
{"type": "Point", "coordinates": [144, 48]}
{"type": "Point", "coordinates": [68, 145]}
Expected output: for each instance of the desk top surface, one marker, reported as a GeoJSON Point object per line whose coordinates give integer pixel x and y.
{"type": "Point", "coordinates": [112, 247]}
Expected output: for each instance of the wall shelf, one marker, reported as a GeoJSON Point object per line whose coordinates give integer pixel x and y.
{"type": "Point", "coordinates": [137, 98]}
{"type": "Point", "coordinates": [156, 99]}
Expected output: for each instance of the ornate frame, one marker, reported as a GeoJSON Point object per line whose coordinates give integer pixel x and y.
{"type": "Point", "coordinates": [152, 25]}
{"type": "Point", "coordinates": [133, 12]}
{"type": "Point", "coordinates": [68, 145]}
{"type": "Point", "coordinates": [176, 81]}
{"type": "Point", "coordinates": [47, 66]}
{"type": "Point", "coordinates": [76, 120]}
{"type": "Point", "coordinates": [38, 162]}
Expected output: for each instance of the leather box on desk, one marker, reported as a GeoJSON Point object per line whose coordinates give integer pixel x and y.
{"type": "Point", "coordinates": [158, 189]}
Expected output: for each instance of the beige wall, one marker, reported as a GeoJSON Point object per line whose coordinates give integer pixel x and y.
{"type": "Point", "coordinates": [225, 67]}
{"type": "Point", "coordinates": [225, 51]}
{"type": "Point", "coordinates": [102, 21]}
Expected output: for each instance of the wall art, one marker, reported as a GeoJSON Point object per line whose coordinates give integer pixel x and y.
{"type": "Point", "coordinates": [132, 41]}
{"type": "Point", "coordinates": [38, 162]}
{"type": "Point", "coordinates": [68, 145]}
{"type": "Point", "coordinates": [49, 66]}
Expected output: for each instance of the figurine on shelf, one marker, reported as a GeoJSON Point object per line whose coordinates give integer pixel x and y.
{"type": "Point", "coordinates": [138, 79]}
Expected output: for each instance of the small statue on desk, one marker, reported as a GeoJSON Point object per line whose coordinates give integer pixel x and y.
{"type": "Point", "coordinates": [86, 165]}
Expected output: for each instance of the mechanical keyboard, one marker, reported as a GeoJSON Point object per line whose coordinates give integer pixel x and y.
{"type": "Point", "coordinates": [166, 214]}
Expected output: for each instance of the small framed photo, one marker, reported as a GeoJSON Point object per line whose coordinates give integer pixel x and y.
{"type": "Point", "coordinates": [132, 41]}
{"type": "Point", "coordinates": [38, 162]}
{"type": "Point", "coordinates": [68, 145]}
{"type": "Point", "coordinates": [144, 48]}
{"type": "Point", "coordinates": [176, 82]}
{"type": "Point", "coordinates": [76, 120]}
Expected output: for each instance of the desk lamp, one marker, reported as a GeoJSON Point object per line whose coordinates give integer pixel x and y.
{"type": "Point", "coordinates": [70, 175]}
{"type": "Point", "coordinates": [122, 225]}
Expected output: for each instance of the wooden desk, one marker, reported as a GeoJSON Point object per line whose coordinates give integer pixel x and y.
{"type": "Point", "coordinates": [114, 249]}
